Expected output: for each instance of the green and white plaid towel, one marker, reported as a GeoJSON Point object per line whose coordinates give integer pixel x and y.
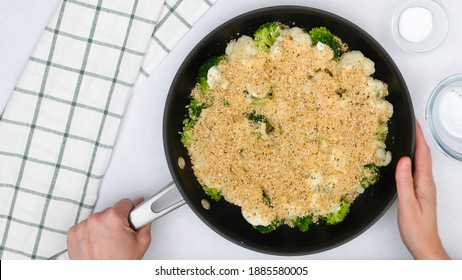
{"type": "Point", "coordinates": [58, 129]}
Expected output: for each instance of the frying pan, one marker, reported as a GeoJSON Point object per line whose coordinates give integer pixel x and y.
{"type": "Point", "coordinates": [226, 219]}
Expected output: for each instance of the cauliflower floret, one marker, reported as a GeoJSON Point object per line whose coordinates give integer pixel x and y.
{"type": "Point", "coordinates": [242, 48]}
{"type": "Point", "coordinates": [255, 218]}
{"type": "Point", "coordinates": [383, 157]}
{"type": "Point", "coordinates": [213, 76]}
{"type": "Point", "coordinates": [376, 88]}
{"type": "Point", "coordinates": [385, 108]}
{"type": "Point", "coordinates": [354, 60]}
{"type": "Point", "coordinates": [321, 47]}
{"type": "Point", "coordinates": [297, 34]}
{"type": "Point", "coordinates": [301, 37]}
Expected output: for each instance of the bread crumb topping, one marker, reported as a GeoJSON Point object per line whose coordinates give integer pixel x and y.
{"type": "Point", "coordinates": [287, 132]}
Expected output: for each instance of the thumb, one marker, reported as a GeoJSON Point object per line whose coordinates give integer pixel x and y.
{"type": "Point", "coordinates": [404, 180]}
{"type": "Point", "coordinates": [123, 207]}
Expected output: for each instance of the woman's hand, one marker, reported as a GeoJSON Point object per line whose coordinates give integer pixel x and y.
{"type": "Point", "coordinates": [108, 235]}
{"type": "Point", "coordinates": [417, 203]}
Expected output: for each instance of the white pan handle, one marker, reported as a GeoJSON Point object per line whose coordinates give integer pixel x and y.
{"type": "Point", "coordinates": [149, 210]}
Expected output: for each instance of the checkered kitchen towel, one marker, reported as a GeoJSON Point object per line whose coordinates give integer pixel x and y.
{"type": "Point", "coordinates": [58, 129]}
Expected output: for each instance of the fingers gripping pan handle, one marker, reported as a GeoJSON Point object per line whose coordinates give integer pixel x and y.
{"type": "Point", "coordinates": [154, 207]}
{"type": "Point", "coordinates": [148, 211]}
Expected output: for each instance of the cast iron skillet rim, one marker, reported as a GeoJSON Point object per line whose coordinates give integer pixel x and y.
{"type": "Point", "coordinates": [230, 236]}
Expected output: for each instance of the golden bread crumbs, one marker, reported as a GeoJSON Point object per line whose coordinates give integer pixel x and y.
{"type": "Point", "coordinates": [286, 132]}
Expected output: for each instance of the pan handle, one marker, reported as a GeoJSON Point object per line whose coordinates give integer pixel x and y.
{"type": "Point", "coordinates": [149, 210]}
{"type": "Point", "coordinates": [146, 212]}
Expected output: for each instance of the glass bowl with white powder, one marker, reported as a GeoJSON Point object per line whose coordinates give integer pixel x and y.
{"type": "Point", "coordinates": [420, 25]}
{"type": "Point", "coordinates": [444, 116]}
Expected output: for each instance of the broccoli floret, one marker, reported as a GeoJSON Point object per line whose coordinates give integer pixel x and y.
{"type": "Point", "coordinates": [370, 175]}
{"type": "Point", "coordinates": [257, 118]}
{"type": "Point", "coordinates": [266, 35]}
{"type": "Point", "coordinates": [204, 69]}
{"type": "Point", "coordinates": [186, 135]}
{"type": "Point", "coordinates": [213, 193]}
{"type": "Point", "coordinates": [273, 226]}
{"type": "Point", "coordinates": [336, 217]}
{"type": "Point", "coordinates": [382, 131]}
{"type": "Point", "coordinates": [195, 109]}
{"type": "Point", "coordinates": [303, 223]}
{"type": "Point", "coordinates": [323, 35]}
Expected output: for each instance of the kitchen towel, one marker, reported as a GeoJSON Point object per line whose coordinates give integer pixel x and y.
{"type": "Point", "coordinates": [59, 127]}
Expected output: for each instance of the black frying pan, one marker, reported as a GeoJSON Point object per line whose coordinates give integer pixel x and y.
{"type": "Point", "coordinates": [226, 219]}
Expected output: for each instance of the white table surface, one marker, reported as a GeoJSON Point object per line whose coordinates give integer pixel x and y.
{"type": "Point", "coordinates": [138, 166]}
